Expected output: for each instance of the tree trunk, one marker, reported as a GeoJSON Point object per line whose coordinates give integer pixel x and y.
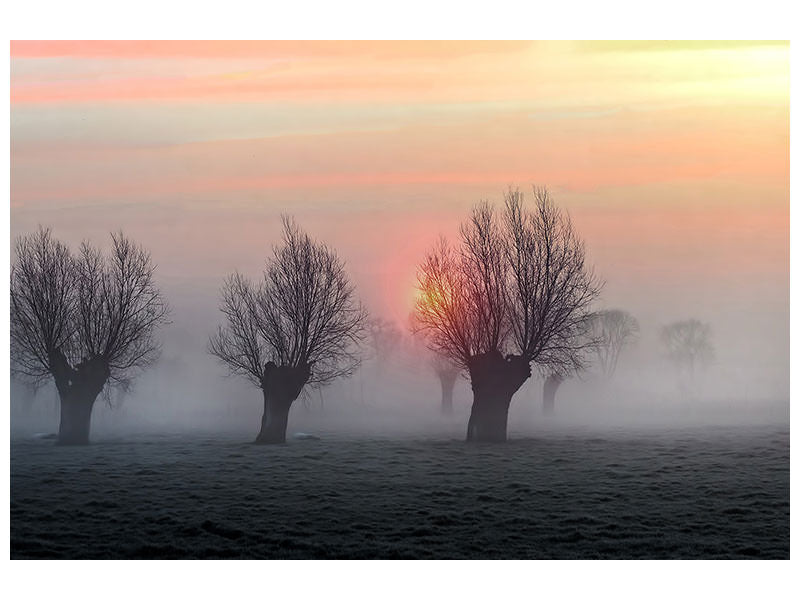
{"type": "Point", "coordinates": [448, 381]}
{"type": "Point", "coordinates": [78, 389]}
{"type": "Point", "coordinates": [275, 418]}
{"type": "Point", "coordinates": [495, 380]}
{"type": "Point", "coordinates": [76, 417]}
{"type": "Point", "coordinates": [281, 386]}
{"type": "Point", "coordinates": [549, 393]}
{"type": "Point", "coordinates": [488, 420]}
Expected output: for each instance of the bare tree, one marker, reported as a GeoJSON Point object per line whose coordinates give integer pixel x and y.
{"type": "Point", "coordinates": [551, 384]}
{"type": "Point", "coordinates": [517, 291]}
{"type": "Point", "coordinates": [300, 325]}
{"type": "Point", "coordinates": [614, 330]}
{"type": "Point", "coordinates": [610, 331]}
{"type": "Point", "coordinates": [446, 370]}
{"type": "Point", "coordinates": [688, 345]}
{"type": "Point", "coordinates": [384, 337]}
{"type": "Point", "coordinates": [87, 321]}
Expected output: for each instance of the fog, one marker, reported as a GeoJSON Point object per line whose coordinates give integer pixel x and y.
{"type": "Point", "coordinates": [190, 391]}
{"type": "Point", "coordinates": [695, 258]}
{"type": "Point", "coordinates": [638, 466]}
{"type": "Point", "coordinates": [659, 264]}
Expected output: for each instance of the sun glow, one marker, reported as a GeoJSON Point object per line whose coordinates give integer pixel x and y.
{"type": "Point", "coordinates": [387, 145]}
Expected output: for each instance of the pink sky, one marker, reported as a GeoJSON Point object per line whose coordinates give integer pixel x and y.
{"type": "Point", "coordinates": [673, 158]}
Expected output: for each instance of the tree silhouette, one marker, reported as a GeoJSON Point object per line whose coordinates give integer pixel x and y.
{"type": "Point", "coordinates": [610, 331]}
{"type": "Point", "coordinates": [517, 291]}
{"type": "Point", "coordinates": [447, 372]}
{"type": "Point", "coordinates": [86, 321]}
{"type": "Point", "coordinates": [444, 368]}
{"type": "Point", "coordinates": [551, 384]}
{"type": "Point", "coordinates": [384, 337]}
{"type": "Point", "coordinates": [300, 325]}
{"type": "Point", "coordinates": [688, 346]}
{"type": "Point", "coordinates": [614, 330]}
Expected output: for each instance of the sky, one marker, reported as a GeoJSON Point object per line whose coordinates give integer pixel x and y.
{"type": "Point", "coordinates": [671, 157]}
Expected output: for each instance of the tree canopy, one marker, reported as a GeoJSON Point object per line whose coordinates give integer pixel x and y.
{"type": "Point", "coordinates": [688, 344]}
{"type": "Point", "coordinates": [302, 313]}
{"type": "Point", "coordinates": [614, 330]}
{"type": "Point", "coordinates": [517, 284]}
{"type": "Point", "coordinates": [67, 310]}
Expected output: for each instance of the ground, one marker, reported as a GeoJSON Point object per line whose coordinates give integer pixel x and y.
{"type": "Point", "coordinates": [686, 493]}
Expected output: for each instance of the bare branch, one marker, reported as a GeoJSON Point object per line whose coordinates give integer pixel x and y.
{"type": "Point", "coordinates": [519, 284]}
{"type": "Point", "coordinates": [384, 336]}
{"type": "Point", "coordinates": [614, 330]}
{"type": "Point", "coordinates": [688, 344]}
{"type": "Point", "coordinates": [43, 302]}
{"type": "Point", "coordinates": [303, 313]}
{"type": "Point", "coordinates": [69, 311]}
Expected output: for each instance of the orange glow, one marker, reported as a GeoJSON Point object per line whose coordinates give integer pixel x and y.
{"type": "Point", "coordinates": [673, 157]}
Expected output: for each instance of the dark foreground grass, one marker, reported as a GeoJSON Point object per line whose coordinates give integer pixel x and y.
{"type": "Point", "coordinates": [696, 493]}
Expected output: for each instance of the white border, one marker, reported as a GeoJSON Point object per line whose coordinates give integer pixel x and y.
{"type": "Point", "coordinates": [411, 19]}
{"type": "Point", "coordinates": [415, 19]}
